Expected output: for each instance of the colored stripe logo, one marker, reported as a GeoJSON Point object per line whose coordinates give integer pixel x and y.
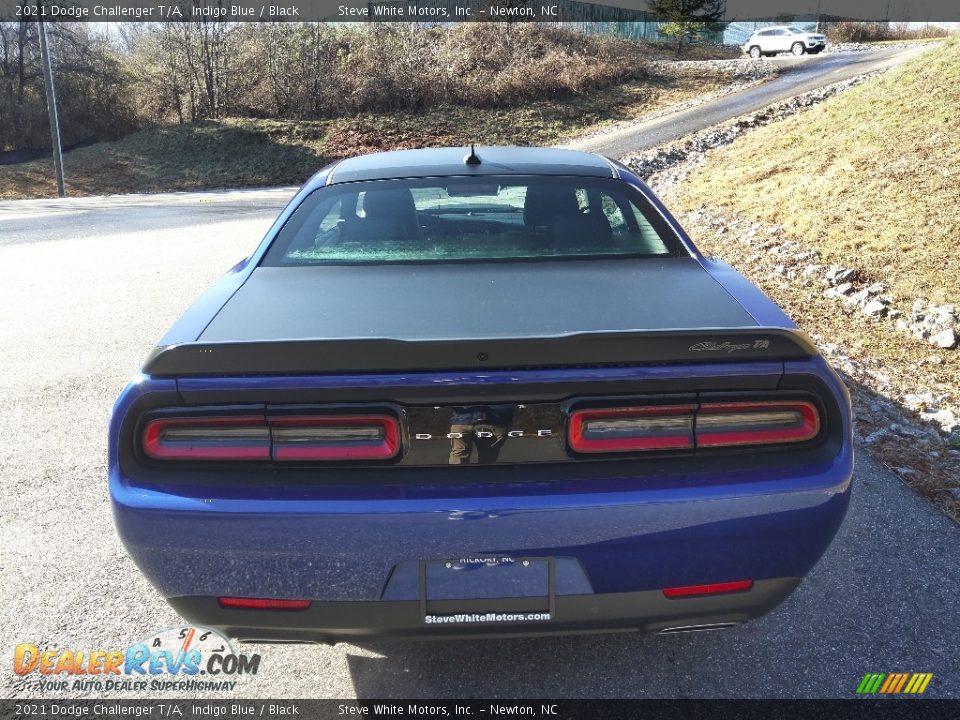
{"type": "Point", "coordinates": [894, 683]}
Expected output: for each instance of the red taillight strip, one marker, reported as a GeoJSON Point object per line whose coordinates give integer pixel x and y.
{"type": "Point", "coordinates": [714, 425]}
{"type": "Point", "coordinates": [688, 591]}
{"type": "Point", "coordinates": [287, 447]}
{"type": "Point", "coordinates": [209, 446]}
{"type": "Point", "coordinates": [807, 429]}
{"type": "Point", "coordinates": [262, 603]}
{"type": "Point", "coordinates": [288, 438]}
{"type": "Point", "coordinates": [580, 419]}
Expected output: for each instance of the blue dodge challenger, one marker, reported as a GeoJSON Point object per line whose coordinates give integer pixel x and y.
{"type": "Point", "coordinates": [491, 391]}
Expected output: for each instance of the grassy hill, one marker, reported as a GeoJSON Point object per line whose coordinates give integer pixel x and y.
{"type": "Point", "coordinates": [870, 178]}
{"type": "Point", "coordinates": [250, 152]}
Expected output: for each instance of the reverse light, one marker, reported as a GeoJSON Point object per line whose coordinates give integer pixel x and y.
{"type": "Point", "coordinates": [357, 437]}
{"type": "Point", "coordinates": [689, 591]}
{"type": "Point", "coordinates": [262, 603]}
{"type": "Point", "coordinates": [238, 437]}
{"type": "Point", "coordinates": [601, 430]}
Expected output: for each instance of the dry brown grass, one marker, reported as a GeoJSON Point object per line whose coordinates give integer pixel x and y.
{"type": "Point", "coordinates": [870, 178]}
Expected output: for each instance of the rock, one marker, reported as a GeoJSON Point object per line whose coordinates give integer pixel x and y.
{"type": "Point", "coordinates": [810, 270]}
{"type": "Point", "coordinates": [875, 307]}
{"type": "Point", "coordinates": [836, 274]}
{"type": "Point", "coordinates": [875, 436]}
{"type": "Point", "coordinates": [934, 360]}
{"type": "Point", "coordinates": [947, 339]}
{"type": "Point", "coordinates": [918, 306]}
{"type": "Point", "coordinates": [943, 418]}
{"type": "Point", "coordinates": [858, 298]}
{"type": "Point", "coordinates": [943, 315]}
{"type": "Point", "coordinates": [843, 288]}
{"type": "Point", "coordinates": [919, 401]}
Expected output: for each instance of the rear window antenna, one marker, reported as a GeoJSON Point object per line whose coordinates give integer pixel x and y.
{"type": "Point", "coordinates": [472, 158]}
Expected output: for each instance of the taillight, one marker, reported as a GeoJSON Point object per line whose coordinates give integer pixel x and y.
{"type": "Point", "coordinates": [688, 591]}
{"type": "Point", "coordinates": [207, 438]}
{"type": "Point", "coordinates": [678, 427]}
{"type": "Point", "coordinates": [300, 437]}
{"type": "Point", "coordinates": [600, 430]}
{"type": "Point", "coordinates": [262, 603]}
{"type": "Point", "coordinates": [360, 437]}
{"type": "Point", "coordinates": [756, 423]}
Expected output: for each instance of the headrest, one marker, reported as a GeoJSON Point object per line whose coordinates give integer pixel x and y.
{"type": "Point", "coordinates": [543, 203]}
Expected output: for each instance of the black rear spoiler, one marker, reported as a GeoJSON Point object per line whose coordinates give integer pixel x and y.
{"type": "Point", "coordinates": [302, 357]}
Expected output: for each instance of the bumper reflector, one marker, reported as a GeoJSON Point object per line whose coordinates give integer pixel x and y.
{"type": "Point", "coordinates": [263, 603]}
{"type": "Point", "coordinates": [688, 591]}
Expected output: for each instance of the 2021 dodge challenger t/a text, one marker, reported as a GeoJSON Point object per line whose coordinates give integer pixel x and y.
{"type": "Point", "coordinates": [492, 393]}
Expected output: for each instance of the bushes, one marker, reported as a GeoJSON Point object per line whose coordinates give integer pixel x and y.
{"type": "Point", "coordinates": [873, 31]}
{"type": "Point", "coordinates": [111, 84]}
{"type": "Point", "coordinates": [310, 71]}
{"type": "Point", "coordinates": [93, 90]}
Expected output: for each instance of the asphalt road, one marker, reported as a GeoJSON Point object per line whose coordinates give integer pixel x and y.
{"type": "Point", "coordinates": [88, 285]}
{"type": "Point", "coordinates": [797, 75]}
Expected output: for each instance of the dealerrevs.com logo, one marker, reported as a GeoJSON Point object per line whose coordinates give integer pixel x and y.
{"type": "Point", "coordinates": [181, 658]}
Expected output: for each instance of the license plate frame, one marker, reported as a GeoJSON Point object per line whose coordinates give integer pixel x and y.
{"type": "Point", "coordinates": [540, 603]}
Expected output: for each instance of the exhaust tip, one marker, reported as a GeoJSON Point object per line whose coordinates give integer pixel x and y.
{"type": "Point", "coordinates": [697, 628]}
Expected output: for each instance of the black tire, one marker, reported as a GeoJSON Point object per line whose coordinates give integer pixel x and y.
{"type": "Point", "coordinates": [797, 49]}
{"type": "Point", "coordinates": [755, 53]}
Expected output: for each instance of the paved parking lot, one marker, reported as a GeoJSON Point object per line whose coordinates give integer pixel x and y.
{"type": "Point", "coordinates": [83, 297]}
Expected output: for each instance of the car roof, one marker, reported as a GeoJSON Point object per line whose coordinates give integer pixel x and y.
{"type": "Point", "coordinates": [494, 160]}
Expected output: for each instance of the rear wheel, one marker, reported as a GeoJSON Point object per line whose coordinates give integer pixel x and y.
{"type": "Point", "coordinates": [755, 52]}
{"type": "Point", "coordinates": [797, 48]}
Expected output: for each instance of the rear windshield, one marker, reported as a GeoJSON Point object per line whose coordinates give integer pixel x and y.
{"type": "Point", "coordinates": [471, 219]}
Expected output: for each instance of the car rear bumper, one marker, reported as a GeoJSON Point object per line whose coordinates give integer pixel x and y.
{"type": "Point", "coordinates": [615, 551]}
{"type": "Point", "coordinates": [645, 611]}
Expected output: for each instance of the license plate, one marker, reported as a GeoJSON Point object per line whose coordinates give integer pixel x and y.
{"type": "Point", "coordinates": [485, 589]}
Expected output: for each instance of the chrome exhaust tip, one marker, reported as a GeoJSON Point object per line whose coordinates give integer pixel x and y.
{"type": "Point", "coordinates": [697, 628]}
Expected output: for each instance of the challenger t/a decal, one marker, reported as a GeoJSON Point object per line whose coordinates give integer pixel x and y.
{"type": "Point", "coordinates": [729, 347]}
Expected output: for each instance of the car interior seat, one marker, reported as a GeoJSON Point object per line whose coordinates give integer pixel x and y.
{"type": "Point", "coordinates": [387, 215]}
{"type": "Point", "coordinates": [567, 227]}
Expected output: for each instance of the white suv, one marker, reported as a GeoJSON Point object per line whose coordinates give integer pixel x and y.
{"type": "Point", "coordinates": [783, 38]}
